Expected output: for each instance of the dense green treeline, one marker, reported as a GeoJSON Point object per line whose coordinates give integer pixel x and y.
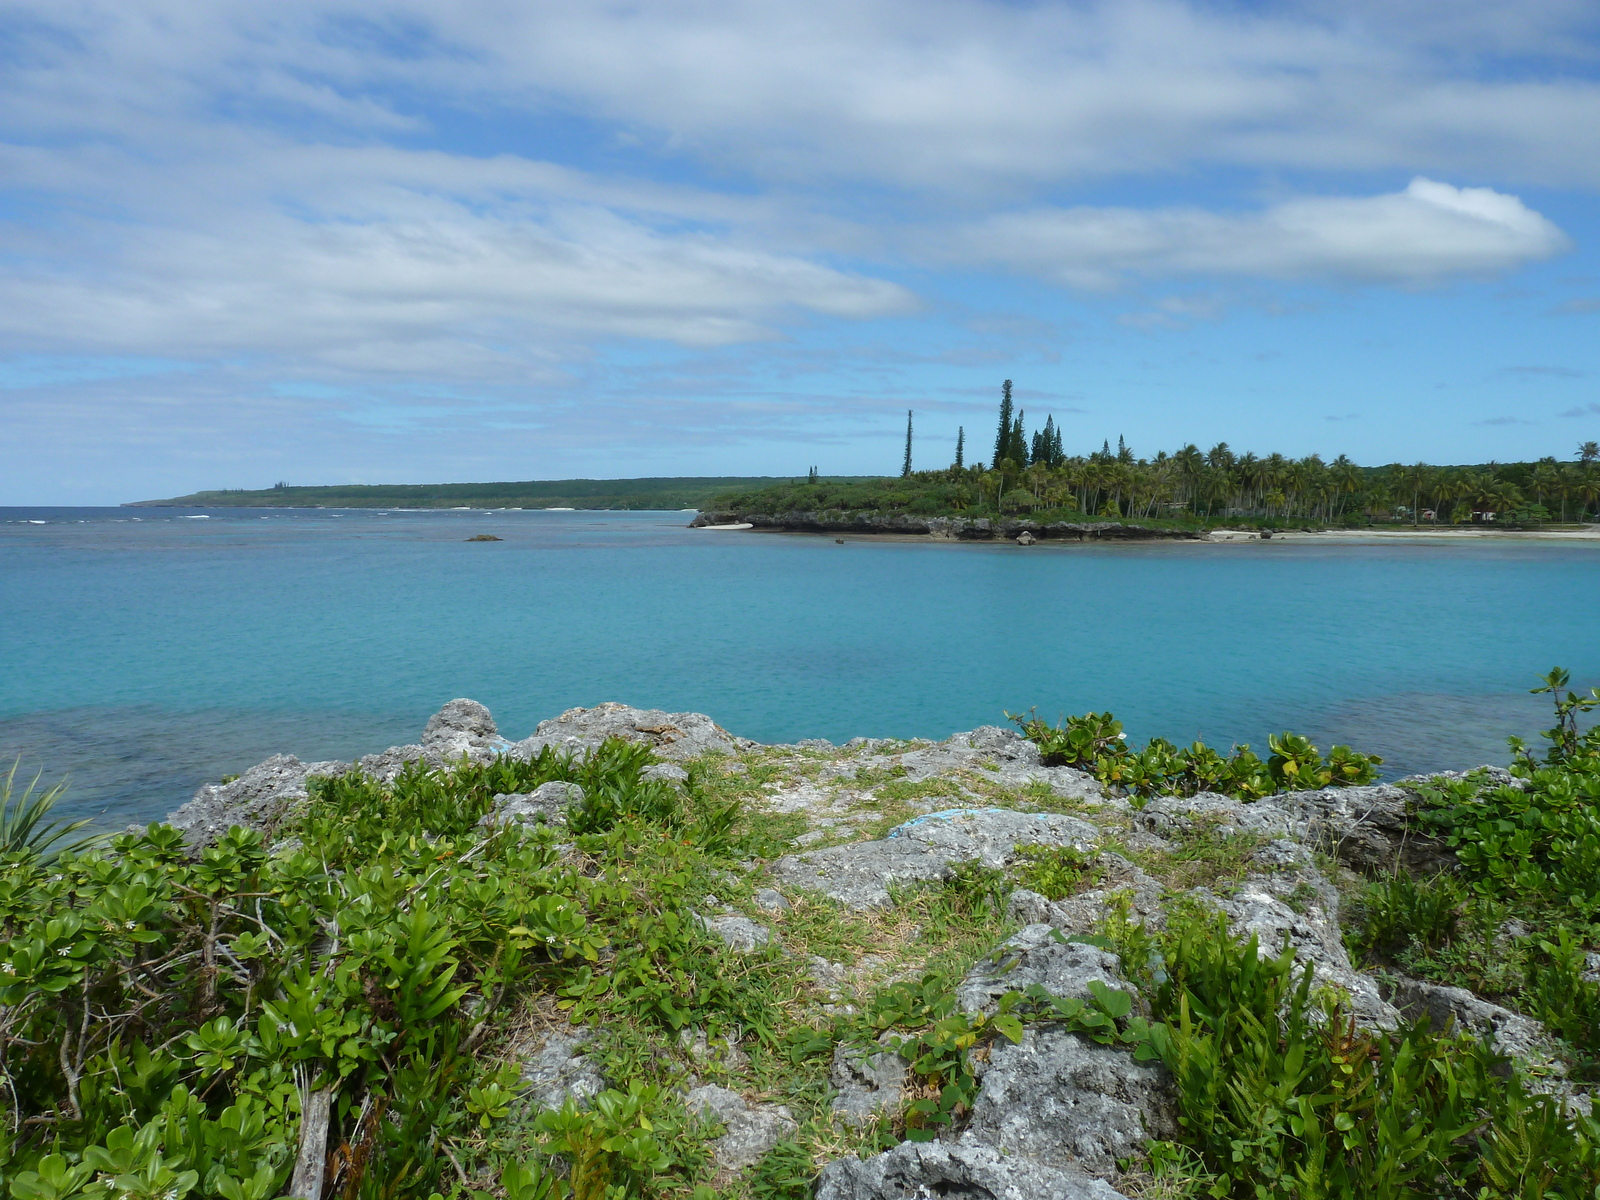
{"type": "Point", "coordinates": [1213, 486]}
{"type": "Point", "coordinates": [1033, 475]}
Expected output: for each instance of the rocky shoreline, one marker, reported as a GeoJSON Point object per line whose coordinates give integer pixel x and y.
{"type": "Point", "coordinates": [1058, 1116]}
{"type": "Point", "coordinates": [891, 525]}
{"type": "Point", "coordinates": [962, 529]}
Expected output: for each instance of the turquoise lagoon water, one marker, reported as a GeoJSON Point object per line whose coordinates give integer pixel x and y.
{"type": "Point", "coordinates": [145, 651]}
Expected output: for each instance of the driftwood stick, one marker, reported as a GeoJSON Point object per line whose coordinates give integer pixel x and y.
{"type": "Point", "coordinates": [310, 1166]}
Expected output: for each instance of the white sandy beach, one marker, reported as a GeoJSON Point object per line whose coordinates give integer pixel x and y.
{"type": "Point", "coordinates": [1586, 533]}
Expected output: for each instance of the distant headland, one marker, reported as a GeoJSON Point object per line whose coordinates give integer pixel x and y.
{"type": "Point", "coordinates": [654, 493]}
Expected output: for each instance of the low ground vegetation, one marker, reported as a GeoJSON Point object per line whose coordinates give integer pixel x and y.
{"type": "Point", "coordinates": [168, 1020]}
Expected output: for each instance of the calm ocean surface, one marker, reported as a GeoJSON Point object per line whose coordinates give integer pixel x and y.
{"type": "Point", "coordinates": [144, 651]}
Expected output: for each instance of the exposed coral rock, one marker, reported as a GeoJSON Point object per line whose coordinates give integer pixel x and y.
{"type": "Point", "coordinates": [772, 900]}
{"type": "Point", "coordinates": [671, 772]}
{"type": "Point", "coordinates": [547, 804]}
{"type": "Point", "coordinates": [1514, 1035]}
{"type": "Point", "coordinates": [741, 934]}
{"type": "Point", "coordinates": [1083, 912]}
{"type": "Point", "coordinates": [751, 1129]}
{"type": "Point", "coordinates": [1058, 1098]}
{"type": "Point", "coordinates": [961, 1171]}
{"type": "Point", "coordinates": [1310, 927]}
{"type": "Point", "coordinates": [557, 1070]}
{"type": "Point", "coordinates": [461, 727]}
{"type": "Point", "coordinates": [996, 753]}
{"type": "Point", "coordinates": [1371, 829]}
{"type": "Point", "coordinates": [866, 1083]}
{"type": "Point", "coordinates": [257, 800]}
{"type": "Point", "coordinates": [859, 875]}
{"type": "Point", "coordinates": [1039, 954]}
{"type": "Point", "coordinates": [1171, 816]}
{"type": "Point", "coordinates": [674, 736]}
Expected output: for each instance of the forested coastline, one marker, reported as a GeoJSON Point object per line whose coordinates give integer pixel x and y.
{"type": "Point", "coordinates": [1033, 475]}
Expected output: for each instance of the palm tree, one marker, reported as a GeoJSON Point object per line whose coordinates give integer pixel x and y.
{"type": "Point", "coordinates": [1274, 474]}
{"type": "Point", "coordinates": [1546, 480]}
{"type": "Point", "coordinates": [1190, 462]}
{"type": "Point", "coordinates": [1346, 478]}
{"type": "Point", "coordinates": [1417, 477]}
{"type": "Point", "coordinates": [1249, 469]}
{"type": "Point", "coordinates": [1587, 489]}
{"type": "Point", "coordinates": [1588, 452]}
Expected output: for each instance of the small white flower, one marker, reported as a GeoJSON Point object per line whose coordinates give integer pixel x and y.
{"type": "Point", "coordinates": [1123, 736]}
{"type": "Point", "coordinates": [9, 968]}
{"type": "Point", "coordinates": [64, 951]}
{"type": "Point", "coordinates": [128, 924]}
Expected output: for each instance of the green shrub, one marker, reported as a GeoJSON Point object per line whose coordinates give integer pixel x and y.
{"type": "Point", "coordinates": [1531, 850]}
{"type": "Point", "coordinates": [1281, 1096]}
{"type": "Point", "coordinates": [1055, 872]}
{"type": "Point", "coordinates": [165, 1016]}
{"type": "Point", "coordinates": [1096, 743]}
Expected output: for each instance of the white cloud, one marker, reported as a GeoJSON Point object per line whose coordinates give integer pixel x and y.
{"type": "Point", "coordinates": [1427, 233]}
{"type": "Point", "coordinates": [366, 273]}
{"type": "Point", "coordinates": [952, 94]}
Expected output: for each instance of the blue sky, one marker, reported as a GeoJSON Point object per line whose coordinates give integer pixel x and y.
{"type": "Point", "coordinates": [369, 242]}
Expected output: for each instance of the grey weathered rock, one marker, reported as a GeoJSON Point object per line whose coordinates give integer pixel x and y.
{"type": "Point", "coordinates": [1173, 816]}
{"type": "Point", "coordinates": [957, 1171]}
{"type": "Point", "coordinates": [1282, 854]}
{"type": "Point", "coordinates": [925, 850]}
{"type": "Point", "coordinates": [1064, 1100]}
{"type": "Point", "coordinates": [257, 800]}
{"type": "Point", "coordinates": [712, 1052]}
{"type": "Point", "coordinates": [1004, 756]}
{"type": "Point", "coordinates": [1039, 954]}
{"type": "Point", "coordinates": [1371, 829]}
{"type": "Point", "coordinates": [1261, 905]}
{"type": "Point", "coordinates": [1514, 1035]}
{"type": "Point", "coordinates": [547, 804]}
{"type": "Point", "coordinates": [1052, 1111]}
{"type": "Point", "coordinates": [741, 934]}
{"type": "Point", "coordinates": [771, 900]}
{"type": "Point", "coordinates": [461, 727]}
{"type": "Point", "coordinates": [386, 764]}
{"type": "Point", "coordinates": [671, 772]}
{"type": "Point", "coordinates": [676, 736]}
{"type": "Point", "coordinates": [866, 1083]}
{"type": "Point", "coordinates": [557, 1070]}
{"type": "Point", "coordinates": [1083, 912]}
{"type": "Point", "coordinates": [750, 1129]}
